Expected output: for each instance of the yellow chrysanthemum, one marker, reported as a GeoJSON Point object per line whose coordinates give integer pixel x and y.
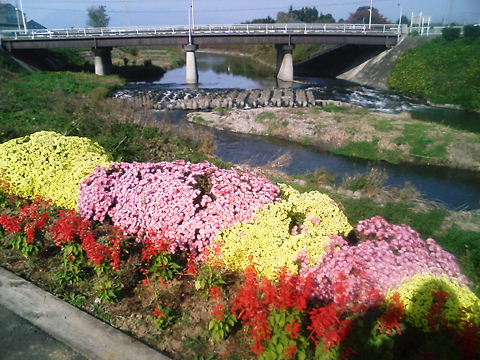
{"type": "Point", "coordinates": [281, 231]}
{"type": "Point", "coordinates": [49, 165]}
{"type": "Point", "coordinates": [418, 297]}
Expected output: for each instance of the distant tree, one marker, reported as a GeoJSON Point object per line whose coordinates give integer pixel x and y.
{"type": "Point", "coordinates": [267, 20]}
{"type": "Point", "coordinates": [325, 18]}
{"type": "Point", "coordinates": [305, 14]}
{"type": "Point", "coordinates": [405, 20]}
{"type": "Point", "coordinates": [97, 16]}
{"type": "Point", "coordinates": [283, 17]}
{"type": "Point", "coordinates": [362, 15]}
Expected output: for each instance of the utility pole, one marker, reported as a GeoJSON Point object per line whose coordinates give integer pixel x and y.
{"type": "Point", "coordinates": [193, 14]}
{"type": "Point", "coordinates": [23, 17]}
{"type": "Point", "coordinates": [370, 17]}
{"type": "Point", "coordinates": [190, 25]}
{"type": "Point", "coordinates": [399, 22]}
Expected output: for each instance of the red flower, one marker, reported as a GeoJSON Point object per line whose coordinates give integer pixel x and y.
{"type": "Point", "coordinates": [10, 224]}
{"type": "Point", "coordinates": [158, 313]}
{"type": "Point", "coordinates": [215, 292]}
{"type": "Point", "coordinates": [291, 351]}
{"type": "Point", "coordinates": [294, 328]}
{"type": "Point", "coordinates": [390, 322]}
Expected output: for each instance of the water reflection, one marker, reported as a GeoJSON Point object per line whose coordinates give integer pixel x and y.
{"type": "Point", "coordinates": [221, 72]}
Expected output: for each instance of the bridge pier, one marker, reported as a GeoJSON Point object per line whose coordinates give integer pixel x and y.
{"type": "Point", "coordinates": [103, 60]}
{"type": "Point", "coordinates": [285, 62]}
{"type": "Point", "coordinates": [191, 64]}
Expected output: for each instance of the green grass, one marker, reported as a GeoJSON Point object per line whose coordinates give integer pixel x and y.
{"type": "Point", "coordinates": [466, 247]}
{"type": "Point", "coordinates": [445, 72]}
{"type": "Point", "coordinates": [363, 149]}
{"type": "Point", "coordinates": [77, 104]}
{"type": "Point", "coordinates": [423, 144]}
{"type": "Point", "coordinates": [265, 116]}
{"type": "Point", "coordinates": [223, 111]}
{"type": "Point", "coordinates": [334, 108]}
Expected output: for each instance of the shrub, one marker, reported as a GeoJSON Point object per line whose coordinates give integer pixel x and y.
{"type": "Point", "coordinates": [274, 239]}
{"type": "Point", "coordinates": [471, 31]}
{"type": "Point", "coordinates": [386, 257]}
{"type": "Point", "coordinates": [450, 33]}
{"type": "Point", "coordinates": [459, 304]}
{"type": "Point", "coordinates": [49, 165]}
{"type": "Point", "coordinates": [182, 203]}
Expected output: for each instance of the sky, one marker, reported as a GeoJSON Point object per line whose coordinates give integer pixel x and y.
{"type": "Point", "coordinates": [56, 14]}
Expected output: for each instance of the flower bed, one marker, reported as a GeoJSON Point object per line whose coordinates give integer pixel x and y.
{"type": "Point", "coordinates": [49, 165]}
{"type": "Point", "coordinates": [282, 276]}
{"type": "Point", "coordinates": [182, 203]}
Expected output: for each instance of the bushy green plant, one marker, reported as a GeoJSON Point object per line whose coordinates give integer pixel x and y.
{"type": "Point", "coordinates": [451, 33]}
{"type": "Point", "coordinates": [471, 31]}
{"type": "Point", "coordinates": [220, 328]}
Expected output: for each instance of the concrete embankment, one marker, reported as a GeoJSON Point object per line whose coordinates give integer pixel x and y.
{"type": "Point", "coordinates": [375, 72]}
{"type": "Point", "coordinates": [188, 99]}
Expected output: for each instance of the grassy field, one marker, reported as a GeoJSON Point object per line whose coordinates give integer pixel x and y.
{"type": "Point", "coordinates": [444, 72]}
{"type": "Point", "coordinates": [77, 104]}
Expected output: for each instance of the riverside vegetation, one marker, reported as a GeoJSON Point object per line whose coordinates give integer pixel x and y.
{"type": "Point", "coordinates": [356, 132]}
{"type": "Point", "coordinates": [442, 71]}
{"type": "Point", "coordinates": [197, 302]}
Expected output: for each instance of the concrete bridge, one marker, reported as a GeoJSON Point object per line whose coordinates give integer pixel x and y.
{"type": "Point", "coordinates": [283, 36]}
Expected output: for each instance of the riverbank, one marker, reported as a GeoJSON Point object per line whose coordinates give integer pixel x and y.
{"type": "Point", "coordinates": [441, 71]}
{"type": "Point", "coordinates": [352, 131]}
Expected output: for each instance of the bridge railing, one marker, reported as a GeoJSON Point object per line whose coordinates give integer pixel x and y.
{"type": "Point", "coordinates": [204, 30]}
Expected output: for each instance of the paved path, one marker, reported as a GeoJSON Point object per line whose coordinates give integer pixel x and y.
{"type": "Point", "coordinates": [89, 336]}
{"type": "Point", "coordinates": [21, 340]}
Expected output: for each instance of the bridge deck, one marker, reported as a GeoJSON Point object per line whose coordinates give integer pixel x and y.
{"type": "Point", "coordinates": [383, 34]}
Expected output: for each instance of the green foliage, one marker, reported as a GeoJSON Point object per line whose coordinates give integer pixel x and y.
{"type": "Point", "coordinates": [444, 72]}
{"type": "Point", "coordinates": [369, 183]}
{"type": "Point", "coordinates": [108, 289]}
{"type": "Point", "coordinates": [281, 339]}
{"type": "Point", "coordinates": [334, 108]}
{"type": "Point", "coordinates": [208, 277]}
{"type": "Point", "coordinates": [466, 246]}
{"type": "Point", "coordinates": [220, 329]}
{"type": "Point", "coordinates": [451, 33]}
{"type": "Point", "coordinates": [163, 265]}
{"type": "Point", "coordinates": [28, 249]}
{"type": "Point", "coordinates": [97, 16]}
{"type": "Point", "coordinates": [471, 31]}
{"type": "Point", "coordinates": [73, 260]}
{"type": "Point", "coordinates": [166, 317]}
{"type": "Point", "coordinates": [77, 300]}
{"type": "Point", "coordinates": [363, 149]}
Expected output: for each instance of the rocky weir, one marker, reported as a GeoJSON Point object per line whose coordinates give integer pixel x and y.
{"type": "Point", "coordinates": [204, 99]}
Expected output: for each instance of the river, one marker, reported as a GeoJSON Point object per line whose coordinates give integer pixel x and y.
{"type": "Point", "coordinates": [454, 188]}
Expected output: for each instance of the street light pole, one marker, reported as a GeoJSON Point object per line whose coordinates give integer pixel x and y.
{"type": "Point", "coordinates": [193, 14]}
{"type": "Point", "coordinates": [370, 17]}
{"type": "Point", "coordinates": [399, 22]}
{"type": "Point", "coordinates": [23, 17]}
{"type": "Point", "coordinates": [190, 25]}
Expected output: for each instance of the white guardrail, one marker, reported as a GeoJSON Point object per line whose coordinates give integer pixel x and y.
{"type": "Point", "coordinates": [204, 30]}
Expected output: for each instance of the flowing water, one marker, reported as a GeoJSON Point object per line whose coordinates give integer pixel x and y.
{"type": "Point", "coordinates": [456, 189]}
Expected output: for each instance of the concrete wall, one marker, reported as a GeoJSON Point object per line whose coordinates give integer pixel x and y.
{"type": "Point", "coordinates": [376, 71]}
